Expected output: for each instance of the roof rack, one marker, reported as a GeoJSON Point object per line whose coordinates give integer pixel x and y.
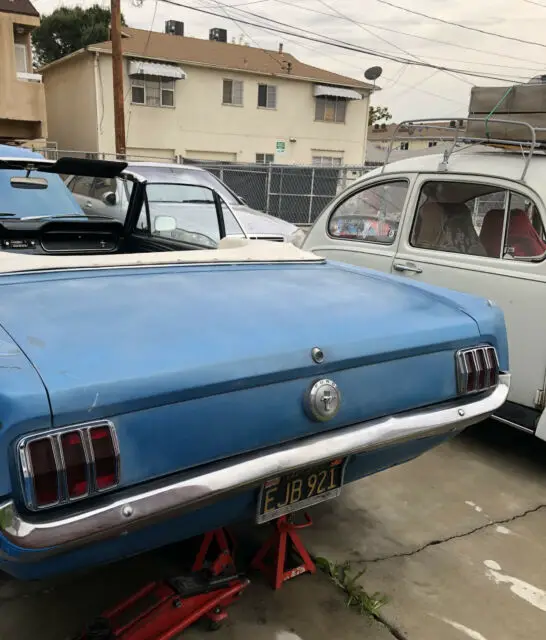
{"type": "Point", "coordinates": [457, 128]}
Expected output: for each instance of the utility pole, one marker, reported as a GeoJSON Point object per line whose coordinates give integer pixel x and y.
{"type": "Point", "coordinates": [117, 74]}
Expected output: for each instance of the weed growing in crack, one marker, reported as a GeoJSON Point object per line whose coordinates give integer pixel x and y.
{"type": "Point", "coordinates": [342, 576]}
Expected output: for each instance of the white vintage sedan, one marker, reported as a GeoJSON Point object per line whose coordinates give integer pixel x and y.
{"type": "Point", "coordinates": [473, 220]}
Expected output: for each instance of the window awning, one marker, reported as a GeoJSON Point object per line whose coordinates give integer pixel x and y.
{"type": "Point", "coordinates": [339, 92]}
{"type": "Point", "coordinates": [142, 68]}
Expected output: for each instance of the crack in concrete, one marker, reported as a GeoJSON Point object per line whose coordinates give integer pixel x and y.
{"type": "Point", "coordinates": [433, 543]}
{"type": "Point", "coordinates": [380, 618]}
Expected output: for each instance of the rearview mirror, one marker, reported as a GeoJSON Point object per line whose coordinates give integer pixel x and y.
{"type": "Point", "coordinates": [28, 183]}
{"type": "Point", "coordinates": [164, 223]}
{"type": "Point", "coordinates": [109, 198]}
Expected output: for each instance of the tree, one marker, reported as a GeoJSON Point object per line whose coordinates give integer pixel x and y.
{"type": "Point", "coordinates": [376, 114]}
{"type": "Point", "coordinates": [68, 29]}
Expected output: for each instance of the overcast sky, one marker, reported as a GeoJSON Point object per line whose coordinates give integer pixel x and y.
{"type": "Point", "coordinates": [409, 92]}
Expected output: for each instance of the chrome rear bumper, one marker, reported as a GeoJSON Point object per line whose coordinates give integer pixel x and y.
{"type": "Point", "coordinates": [209, 483]}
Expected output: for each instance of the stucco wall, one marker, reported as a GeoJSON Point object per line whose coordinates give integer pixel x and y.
{"type": "Point", "coordinates": [200, 125]}
{"type": "Point", "coordinates": [71, 99]}
{"type": "Point", "coordinates": [20, 101]}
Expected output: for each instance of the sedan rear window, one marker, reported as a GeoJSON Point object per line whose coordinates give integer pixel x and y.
{"type": "Point", "coordinates": [187, 176]}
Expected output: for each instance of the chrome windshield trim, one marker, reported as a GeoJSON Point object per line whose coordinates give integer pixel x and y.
{"type": "Point", "coordinates": [209, 483]}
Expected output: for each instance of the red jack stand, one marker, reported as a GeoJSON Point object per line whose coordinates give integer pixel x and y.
{"type": "Point", "coordinates": [223, 561]}
{"type": "Point", "coordinates": [162, 610]}
{"type": "Point", "coordinates": [282, 542]}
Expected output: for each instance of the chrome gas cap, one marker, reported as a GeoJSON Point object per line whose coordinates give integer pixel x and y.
{"type": "Point", "coordinates": [322, 400]}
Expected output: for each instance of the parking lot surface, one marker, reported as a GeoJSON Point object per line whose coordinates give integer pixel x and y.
{"type": "Point", "coordinates": [455, 540]}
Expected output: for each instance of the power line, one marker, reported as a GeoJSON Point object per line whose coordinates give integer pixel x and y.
{"type": "Point", "coordinates": [354, 47]}
{"type": "Point", "coordinates": [538, 4]}
{"type": "Point", "coordinates": [392, 44]}
{"type": "Point", "coordinates": [412, 35]}
{"type": "Point", "coordinates": [461, 26]}
{"type": "Point", "coordinates": [392, 81]}
{"type": "Point", "coordinates": [339, 43]}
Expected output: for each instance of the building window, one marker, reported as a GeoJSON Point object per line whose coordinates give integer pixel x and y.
{"type": "Point", "coordinates": [330, 109]}
{"type": "Point", "coordinates": [404, 146]}
{"type": "Point", "coordinates": [265, 158]}
{"type": "Point", "coordinates": [267, 96]}
{"type": "Point", "coordinates": [432, 143]}
{"type": "Point", "coordinates": [152, 92]}
{"type": "Point", "coordinates": [167, 93]}
{"type": "Point", "coordinates": [232, 92]}
{"type": "Point", "coordinates": [327, 161]}
{"type": "Point", "coordinates": [21, 59]}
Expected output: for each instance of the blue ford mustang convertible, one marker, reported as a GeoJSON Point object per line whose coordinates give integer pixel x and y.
{"type": "Point", "coordinates": [158, 380]}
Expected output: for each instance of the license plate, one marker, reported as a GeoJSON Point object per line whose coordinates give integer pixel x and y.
{"type": "Point", "coordinates": [300, 489]}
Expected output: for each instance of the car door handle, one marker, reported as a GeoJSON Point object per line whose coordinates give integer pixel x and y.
{"type": "Point", "coordinates": [398, 266]}
{"type": "Point", "coordinates": [89, 204]}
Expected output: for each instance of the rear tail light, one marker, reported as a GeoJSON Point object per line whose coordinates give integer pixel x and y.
{"type": "Point", "coordinates": [43, 466]}
{"type": "Point", "coordinates": [477, 369]}
{"type": "Point", "coordinates": [106, 462]}
{"type": "Point", "coordinates": [69, 464]}
{"type": "Point", "coordinates": [76, 467]}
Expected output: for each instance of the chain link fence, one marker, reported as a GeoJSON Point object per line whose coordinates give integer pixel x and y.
{"type": "Point", "coordinates": [295, 193]}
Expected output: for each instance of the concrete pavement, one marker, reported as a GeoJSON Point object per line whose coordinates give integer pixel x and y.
{"type": "Point", "coordinates": [456, 539]}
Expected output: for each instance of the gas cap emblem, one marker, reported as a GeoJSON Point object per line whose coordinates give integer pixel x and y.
{"type": "Point", "coordinates": [322, 400]}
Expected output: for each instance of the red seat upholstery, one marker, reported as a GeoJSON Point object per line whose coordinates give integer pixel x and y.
{"type": "Point", "coordinates": [522, 237]}
{"type": "Point", "coordinates": [491, 232]}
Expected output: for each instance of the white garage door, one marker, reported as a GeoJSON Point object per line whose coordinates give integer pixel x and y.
{"type": "Point", "coordinates": [151, 155]}
{"type": "Point", "coordinates": [219, 156]}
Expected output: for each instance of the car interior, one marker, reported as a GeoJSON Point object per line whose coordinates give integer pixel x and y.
{"type": "Point", "coordinates": [466, 218]}
{"type": "Point", "coordinates": [77, 233]}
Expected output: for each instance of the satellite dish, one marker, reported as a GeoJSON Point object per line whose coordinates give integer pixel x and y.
{"type": "Point", "coordinates": [373, 73]}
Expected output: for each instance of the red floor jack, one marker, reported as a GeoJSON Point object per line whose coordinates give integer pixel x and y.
{"type": "Point", "coordinates": [282, 545]}
{"type": "Point", "coordinates": [161, 610]}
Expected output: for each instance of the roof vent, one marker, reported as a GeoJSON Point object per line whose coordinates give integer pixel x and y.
{"type": "Point", "coordinates": [220, 35]}
{"type": "Point", "coordinates": [174, 27]}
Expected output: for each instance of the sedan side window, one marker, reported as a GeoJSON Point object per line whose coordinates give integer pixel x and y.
{"type": "Point", "coordinates": [472, 218]}
{"type": "Point", "coordinates": [371, 215]}
{"type": "Point", "coordinates": [182, 212]}
{"type": "Point", "coordinates": [103, 186]}
{"type": "Point", "coordinates": [82, 185]}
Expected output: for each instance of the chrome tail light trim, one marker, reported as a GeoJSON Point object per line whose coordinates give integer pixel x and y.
{"type": "Point", "coordinates": [55, 438]}
{"type": "Point", "coordinates": [484, 360]}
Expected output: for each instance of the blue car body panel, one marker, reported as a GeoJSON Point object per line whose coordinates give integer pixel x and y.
{"type": "Point", "coordinates": [188, 374]}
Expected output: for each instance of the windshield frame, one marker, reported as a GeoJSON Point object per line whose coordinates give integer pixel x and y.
{"type": "Point", "coordinates": [218, 200]}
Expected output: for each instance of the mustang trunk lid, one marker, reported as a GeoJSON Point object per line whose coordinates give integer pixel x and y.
{"type": "Point", "coordinates": [194, 363]}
